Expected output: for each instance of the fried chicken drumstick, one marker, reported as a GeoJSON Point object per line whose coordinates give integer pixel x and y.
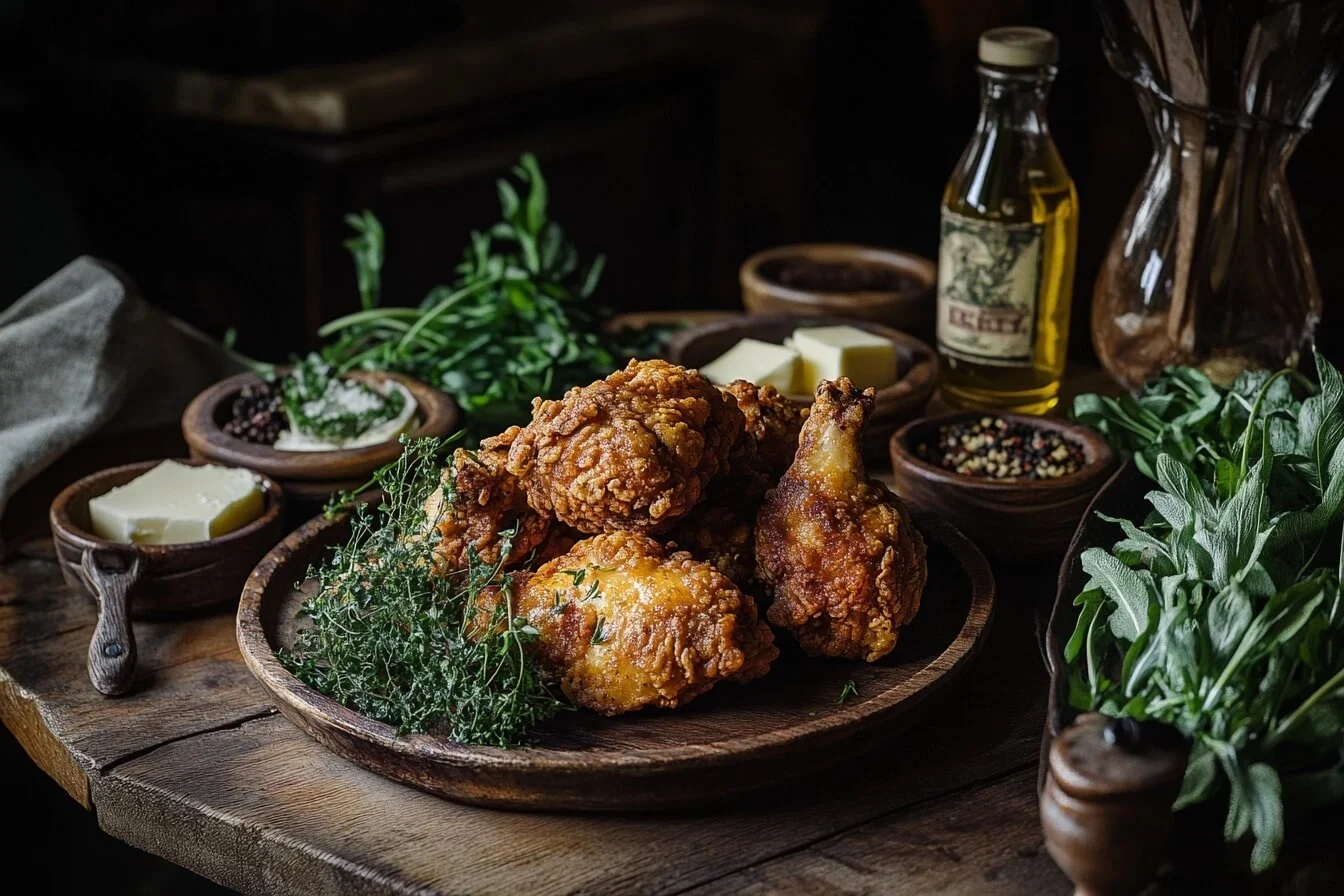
{"type": "Point", "coordinates": [835, 549]}
{"type": "Point", "coordinates": [632, 452]}
{"type": "Point", "coordinates": [625, 623]}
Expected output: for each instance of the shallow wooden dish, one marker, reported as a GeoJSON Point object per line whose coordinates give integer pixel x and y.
{"type": "Point", "coordinates": [899, 402]}
{"type": "Point", "coordinates": [147, 580]}
{"type": "Point", "coordinates": [308, 478]}
{"type": "Point", "coordinates": [909, 309]}
{"type": "Point", "coordinates": [1015, 522]}
{"type": "Point", "coordinates": [728, 741]}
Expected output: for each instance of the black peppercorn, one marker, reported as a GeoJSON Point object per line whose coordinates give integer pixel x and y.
{"type": "Point", "coordinates": [258, 415]}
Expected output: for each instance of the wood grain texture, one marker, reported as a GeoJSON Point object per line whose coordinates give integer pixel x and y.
{"type": "Point", "coordinates": [725, 743]}
{"type": "Point", "coordinates": [985, 839]}
{"type": "Point", "coordinates": [190, 677]}
{"type": "Point", "coordinates": [112, 647]}
{"type": "Point", "coordinates": [1012, 521]}
{"type": "Point", "coordinates": [263, 808]}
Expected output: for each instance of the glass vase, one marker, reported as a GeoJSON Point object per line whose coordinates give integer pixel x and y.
{"type": "Point", "coordinates": [1209, 266]}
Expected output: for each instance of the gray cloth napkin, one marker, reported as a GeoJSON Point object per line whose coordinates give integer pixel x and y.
{"type": "Point", "coordinates": [82, 353]}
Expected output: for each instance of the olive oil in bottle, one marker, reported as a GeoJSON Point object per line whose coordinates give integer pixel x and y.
{"type": "Point", "coordinates": [1008, 237]}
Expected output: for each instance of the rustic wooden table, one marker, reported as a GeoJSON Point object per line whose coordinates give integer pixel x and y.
{"type": "Point", "coordinates": [197, 767]}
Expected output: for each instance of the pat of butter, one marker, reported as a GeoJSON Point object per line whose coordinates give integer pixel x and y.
{"type": "Point", "coordinates": [762, 363]}
{"type": "Point", "coordinates": [387, 431]}
{"type": "Point", "coordinates": [829, 353]}
{"type": "Point", "coordinates": [174, 504]}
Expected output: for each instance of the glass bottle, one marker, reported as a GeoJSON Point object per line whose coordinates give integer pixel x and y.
{"type": "Point", "coordinates": [1008, 239]}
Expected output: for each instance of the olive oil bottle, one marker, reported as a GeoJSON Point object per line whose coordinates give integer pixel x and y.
{"type": "Point", "coordinates": [1008, 237]}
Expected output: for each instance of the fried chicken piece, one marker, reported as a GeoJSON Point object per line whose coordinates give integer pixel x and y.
{"type": "Point", "coordinates": [837, 550]}
{"type": "Point", "coordinates": [625, 623]}
{"type": "Point", "coordinates": [773, 421]}
{"type": "Point", "coordinates": [633, 452]}
{"type": "Point", "coordinates": [489, 500]}
{"type": "Point", "coordinates": [721, 529]}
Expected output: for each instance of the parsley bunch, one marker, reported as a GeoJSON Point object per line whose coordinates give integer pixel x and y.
{"type": "Point", "coordinates": [1220, 613]}
{"type": "Point", "coordinates": [392, 642]}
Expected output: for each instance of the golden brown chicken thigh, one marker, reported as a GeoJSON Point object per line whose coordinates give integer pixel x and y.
{"type": "Point", "coordinates": [836, 549]}
{"type": "Point", "coordinates": [632, 452]}
{"type": "Point", "coordinates": [626, 623]}
{"type": "Point", "coordinates": [488, 501]}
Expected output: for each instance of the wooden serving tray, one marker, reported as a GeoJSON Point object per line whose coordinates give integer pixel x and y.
{"type": "Point", "coordinates": [726, 742]}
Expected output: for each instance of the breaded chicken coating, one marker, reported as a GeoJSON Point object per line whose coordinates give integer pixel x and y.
{"type": "Point", "coordinates": [489, 500]}
{"type": "Point", "coordinates": [835, 549]}
{"type": "Point", "coordinates": [626, 623]}
{"type": "Point", "coordinates": [633, 452]}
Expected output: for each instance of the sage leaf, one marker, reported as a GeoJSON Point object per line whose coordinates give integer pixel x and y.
{"type": "Point", "coordinates": [1125, 587]}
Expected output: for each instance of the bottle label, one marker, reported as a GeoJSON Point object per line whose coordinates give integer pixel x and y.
{"type": "Point", "coordinates": [989, 274]}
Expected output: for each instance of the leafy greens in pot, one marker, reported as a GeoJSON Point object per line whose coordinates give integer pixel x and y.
{"type": "Point", "coordinates": [1220, 613]}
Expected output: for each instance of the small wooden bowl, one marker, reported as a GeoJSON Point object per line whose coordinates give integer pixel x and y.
{"type": "Point", "coordinates": [911, 310]}
{"type": "Point", "coordinates": [150, 580]}
{"type": "Point", "coordinates": [1013, 521]}
{"type": "Point", "coordinates": [897, 403]}
{"type": "Point", "coordinates": [308, 478]}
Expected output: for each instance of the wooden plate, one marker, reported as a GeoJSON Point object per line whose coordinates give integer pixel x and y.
{"type": "Point", "coordinates": [731, 740]}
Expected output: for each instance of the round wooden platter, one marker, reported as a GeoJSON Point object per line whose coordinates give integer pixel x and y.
{"type": "Point", "coordinates": [729, 741]}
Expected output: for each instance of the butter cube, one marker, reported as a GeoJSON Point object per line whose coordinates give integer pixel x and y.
{"type": "Point", "coordinates": [828, 353]}
{"type": "Point", "coordinates": [762, 363]}
{"type": "Point", "coordinates": [174, 504]}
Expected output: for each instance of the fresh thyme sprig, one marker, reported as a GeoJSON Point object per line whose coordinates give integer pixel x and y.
{"type": "Point", "coordinates": [388, 640]}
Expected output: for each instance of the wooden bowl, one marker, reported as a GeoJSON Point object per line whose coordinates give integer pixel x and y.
{"type": "Point", "coordinates": [149, 580]}
{"type": "Point", "coordinates": [308, 478]}
{"type": "Point", "coordinates": [1014, 521]}
{"type": "Point", "coordinates": [910, 309]}
{"type": "Point", "coordinates": [903, 400]}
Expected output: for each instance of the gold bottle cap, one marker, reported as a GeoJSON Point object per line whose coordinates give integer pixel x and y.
{"type": "Point", "coordinates": [1018, 47]}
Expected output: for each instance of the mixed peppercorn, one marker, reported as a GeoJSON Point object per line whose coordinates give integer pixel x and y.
{"type": "Point", "coordinates": [993, 448]}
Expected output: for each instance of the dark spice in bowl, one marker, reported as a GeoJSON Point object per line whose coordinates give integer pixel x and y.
{"type": "Point", "coordinates": [817, 276]}
{"type": "Point", "coordinates": [994, 448]}
{"type": "Point", "coordinates": [258, 415]}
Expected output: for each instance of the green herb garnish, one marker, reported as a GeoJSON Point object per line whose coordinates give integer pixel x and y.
{"type": "Point", "coordinates": [395, 644]}
{"type": "Point", "coordinates": [1220, 613]}
{"type": "Point", "coordinates": [849, 690]}
{"type": "Point", "coordinates": [515, 323]}
{"type": "Point", "coordinates": [320, 403]}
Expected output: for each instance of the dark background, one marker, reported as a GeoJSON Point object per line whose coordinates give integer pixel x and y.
{"type": "Point", "coordinates": [194, 144]}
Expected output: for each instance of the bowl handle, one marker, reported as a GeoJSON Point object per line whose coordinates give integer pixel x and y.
{"type": "Point", "coordinates": [112, 650]}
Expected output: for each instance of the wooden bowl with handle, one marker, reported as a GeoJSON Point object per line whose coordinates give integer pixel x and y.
{"type": "Point", "coordinates": [150, 580]}
{"type": "Point", "coordinates": [917, 364]}
{"type": "Point", "coordinates": [1012, 520]}
{"type": "Point", "coordinates": [309, 478]}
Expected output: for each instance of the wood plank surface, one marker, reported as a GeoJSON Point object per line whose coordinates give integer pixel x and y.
{"type": "Point", "coordinates": [262, 808]}
{"type": "Point", "coordinates": [191, 678]}
{"type": "Point", "coordinates": [985, 839]}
